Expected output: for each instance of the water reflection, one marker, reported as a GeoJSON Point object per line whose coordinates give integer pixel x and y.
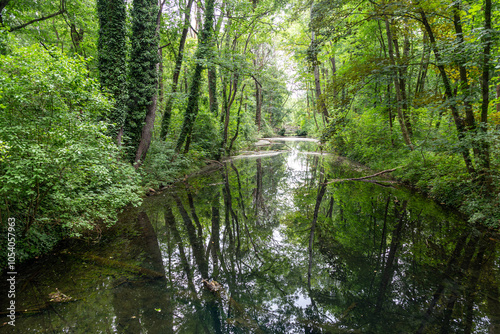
{"type": "Point", "coordinates": [266, 244]}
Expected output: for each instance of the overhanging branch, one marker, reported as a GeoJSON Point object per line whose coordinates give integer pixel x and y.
{"type": "Point", "coordinates": [366, 177]}
{"type": "Point", "coordinates": [37, 20]}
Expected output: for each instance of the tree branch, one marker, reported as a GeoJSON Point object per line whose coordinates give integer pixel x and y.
{"type": "Point", "coordinates": [366, 177]}
{"type": "Point", "coordinates": [37, 20]}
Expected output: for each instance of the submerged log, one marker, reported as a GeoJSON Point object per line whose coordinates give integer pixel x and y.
{"type": "Point", "coordinates": [124, 266]}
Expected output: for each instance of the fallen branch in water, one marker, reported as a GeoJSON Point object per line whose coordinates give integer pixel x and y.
{"type": "Point", "coordinates": [367, 177]}
{"type": "Point", "coordinates": [101, 261]}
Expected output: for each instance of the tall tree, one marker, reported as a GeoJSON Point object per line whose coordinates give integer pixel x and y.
{"type": "Point", "coordinates": [112, 55]}
{"type": "Point", "coordinates": [484, 155]}
{"type": "Point", "coordinates": [194, 90]}
{"type": "Point", "coordinates": [397, 85]}
{"type": "Point", "coordinates": [167, 114]}
{"type": "Point", "coordinates": [143, 78]}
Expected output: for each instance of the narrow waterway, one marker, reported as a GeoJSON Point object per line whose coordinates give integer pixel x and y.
{"type": "Point", "coordinates": [271, 241]}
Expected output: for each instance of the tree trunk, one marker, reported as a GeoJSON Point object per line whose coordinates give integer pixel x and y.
{"type": "Point", "coordinates": [485, 90]}
{"type": "Point", "coordinates": [402, 63]}
{"type": "Point", "coordinates": [422, 71]}
{"type": "Point", "coordinates": [402, 124]}
{"type": "Point", "coordinates": [149, 122]}
{"type": "Point", "coordinates": [238, 120]}
{"type": "Point", "coordinates": [258, 102]}
{"type": "Point", "coordinates": [201, 54]}
{"type": "Point", "coordinates": [111, 56]}
{"type": "Point", "coordinates": [143, 83]}
{"type": "Point", "coordinates": [459, 123]}
{"type": "Point", "coordinates": [147, 133]}
{"type": "Point", "coordinates": [464, 82]}
{"type": "Point", "coordinates": [212, 90]}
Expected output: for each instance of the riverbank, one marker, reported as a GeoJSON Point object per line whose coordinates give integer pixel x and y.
{"type": "Point", "coordinates": [442, 176]}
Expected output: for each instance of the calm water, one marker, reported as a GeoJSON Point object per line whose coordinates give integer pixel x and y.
{"type": "Point", "coordinates": [283, 247]}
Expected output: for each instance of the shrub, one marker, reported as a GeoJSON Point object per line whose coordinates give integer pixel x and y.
{"type": "Point", "coordinates": [301, 133]}
{"type": "Point", "coordinates": [163, 166]}
{"type": "Point", "coordinates": [60, 173]}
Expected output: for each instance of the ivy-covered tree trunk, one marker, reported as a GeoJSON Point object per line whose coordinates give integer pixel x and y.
{"type": "Point", "coordinates": [112, 55]}
{"type": "Point", "coordinates": [212, 89]}
{"type": "Point", "coordinates": [194, 91]}
{"type": "Point", "coordinates": [143, 77]}
{"type": "Point", "coordinates": [167, 114]}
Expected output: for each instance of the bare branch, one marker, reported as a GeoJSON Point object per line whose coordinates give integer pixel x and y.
{"type": "Point", "coordinates": [366, 177]}
{"type": "Point", "coordinates": [43, 18]}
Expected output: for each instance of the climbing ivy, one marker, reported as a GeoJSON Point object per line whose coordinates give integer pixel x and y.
{"type": "Point", "coordinates": [112, 52]}
{"type": "Point", "coordinates": [143, 76]}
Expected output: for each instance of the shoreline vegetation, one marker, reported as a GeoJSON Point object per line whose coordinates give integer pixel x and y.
{"type": "Point", "coordinates": [101, 100]}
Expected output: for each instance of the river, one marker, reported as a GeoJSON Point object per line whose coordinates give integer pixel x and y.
{"type": "Point", "coordinates": [271, 241]}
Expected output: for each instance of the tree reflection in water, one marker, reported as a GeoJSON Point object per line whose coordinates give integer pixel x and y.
{"type": "Point", "coordinates": [296, 255]}
{"type": "Point", "coordinates": [281, 251]}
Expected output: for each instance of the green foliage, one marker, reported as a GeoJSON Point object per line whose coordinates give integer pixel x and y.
{"type": "Point", "coordinates": [143, 76]}
{"type": "Point", "coordinates": [301, 133]}
{"type": "Point", "coordinates": [163, 166]}
{"type": "Point", "coordinates": [267, 130]}
{"type": "Point", "coordinates": [202, 53]}
{"type": "Point", "coordinates": [205, 136]}
{"type": "Point", "coordinates": [435, 167]}
{"type": "Point", "coordinates": [71, 26]}
{"type": "Point", "coordinates": [60, 171]}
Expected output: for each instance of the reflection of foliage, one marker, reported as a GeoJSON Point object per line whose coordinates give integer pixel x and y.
{"type": "Point", "coordinates": [379, 257]}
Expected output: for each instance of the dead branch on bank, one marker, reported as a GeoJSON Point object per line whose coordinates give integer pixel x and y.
{"type": "Point", "coordinates": [364, 178]}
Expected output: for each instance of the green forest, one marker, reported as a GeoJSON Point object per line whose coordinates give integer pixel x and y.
{"type": "Point", "coordinates": [104, 101]}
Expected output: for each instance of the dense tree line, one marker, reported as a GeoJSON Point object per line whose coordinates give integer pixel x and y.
{"type": "Point", "coordinates": [88, 87]}
{"type": "Point", "coordinates": [411, 84]}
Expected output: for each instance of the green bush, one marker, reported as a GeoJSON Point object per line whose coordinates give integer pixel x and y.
{"type": "Point", "coordinates": [163, 166]}
{"type": "Point", "coordinates": [301, 133]}
{"type": "Point", "coordinates": [206, 136]}
{"type": "Point", "coordinates": [60, 173]}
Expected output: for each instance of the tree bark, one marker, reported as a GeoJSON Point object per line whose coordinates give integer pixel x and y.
{"type": "Point", "coordinates": [459, 123]}
{"type": "Point", "coordinates": [149, 121]}
{"type": "Point", "coordinates": [402, 63]}
{"type": "Point", "coordinates": [404, 130]}
{"type": "Point", "coordinates": [201, 53]}
{"type": "Point", "coordinates": [238, 120]}
{"type": "Point", "coordinates": [167, 114]}
{"type": "Point", "coordinates": [485, 90]}
{"type": "Point", "coordinates": [258, 101]}
{"type": "Point", "coordinates": [464, 82]}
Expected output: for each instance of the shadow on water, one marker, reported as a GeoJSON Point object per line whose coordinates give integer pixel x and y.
{"type": "Point", "coordinates": [269, 244]}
